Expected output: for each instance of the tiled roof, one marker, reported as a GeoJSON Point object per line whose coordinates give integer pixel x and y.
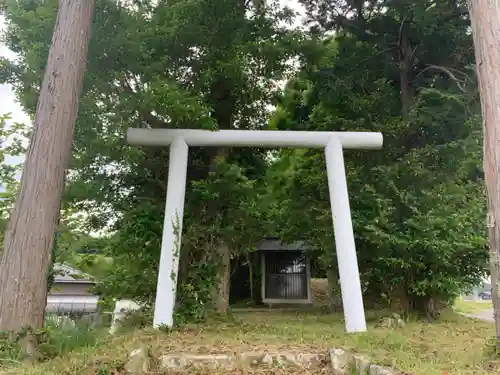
{"type": "Point", "coordinates": [67, 274]}
{"type": "Point", "coordinates": [277, 244]}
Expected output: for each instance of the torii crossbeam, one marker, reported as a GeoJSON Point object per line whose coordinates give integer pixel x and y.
{"type": "Point", "coordinates": [180, 140]}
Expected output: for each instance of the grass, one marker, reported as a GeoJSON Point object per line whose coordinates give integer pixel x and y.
{"type": "Point", "coordinates": [64, 335]}
{"type": "Point", "coordinates": [61, 336]}
{"type": "Point", "coordinates": [472, 307]}
{"type": "Point", "coordinates": [454, 343]}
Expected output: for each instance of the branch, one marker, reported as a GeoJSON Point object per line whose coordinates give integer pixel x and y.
{"type": "Point", "coordinates": [377, 54]}
{"type": "Point", "coordinates": [400, 38]}
{"type": "Point", "coordinates": [448, 71]}
{"type": "Point", "coordinates": [147, 116]}
{"type": "Point", "coordinates": [413, 53]}
{"type": "Point", "coordinates": [152, 120]}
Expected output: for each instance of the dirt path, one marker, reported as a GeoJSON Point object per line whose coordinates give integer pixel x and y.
{"type": "Point", "coordinates": [486, 315]}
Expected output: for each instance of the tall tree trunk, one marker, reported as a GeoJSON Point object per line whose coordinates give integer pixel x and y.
{"type": "Point", "coordinates": [405, 55]}
{"type": "Point", "coordinates": [224, 104]}
{"type": "Point", "coordinates": [250, 274]}
{"type": "Point", "coordinates": [26, 258]}
{"type": "Point", "coordinates": [221, 292]}
{"type": "Point", "coordinates": [223, 101]}
{"type": "Point", "coordinates": [222, 253]}
{"type": "Point", "coordinates": [485, 20]}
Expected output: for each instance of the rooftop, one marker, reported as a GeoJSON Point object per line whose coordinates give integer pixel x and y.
{"type": "Point", "coordinates": [277, 244]}
{"type": "Point", "coordinates": [67, 274]}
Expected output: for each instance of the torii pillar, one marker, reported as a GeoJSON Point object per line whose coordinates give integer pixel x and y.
{"type": "Point", "coordinates": [180, 140]}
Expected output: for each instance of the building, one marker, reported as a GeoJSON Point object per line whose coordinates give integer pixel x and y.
{"type": "Point", "coordinates": [276, 273]}
{"type": "Point", "coordinates": [70, 293]}
{"type": "Point", "coordinates": [285, 272]}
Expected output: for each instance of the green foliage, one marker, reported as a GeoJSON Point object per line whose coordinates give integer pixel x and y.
{"type": "Point", "coordinates": [136, 319]}
{"type": "Point", "coordinates": [135, 250]}
{"type": "Point", "coordinates": [418, 205]}
{"type": "Point", "coordinates": [194, 292]}
{"type": "Point", "coordinates": [60, 336]}
{"type": "Point", "coordinates": [492, 348]}
{"type": "Point", "coordinates": [398, 68]}
{"type": "Point", "coordinates": [204, 231]}
{"type": "Point", "coordinates": [236, 221]}
{"type": "Point", "coordinates": [79, 249]}
{"type": "Point", "coordinates": [10, 350]}
{"type": "Point", "coordinates": [13, 138]}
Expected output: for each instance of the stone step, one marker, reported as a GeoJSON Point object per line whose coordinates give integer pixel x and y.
{"type": "Point", "coordinates": [335, 361]}
{"type": "Point", "coordinates": [246, 360]}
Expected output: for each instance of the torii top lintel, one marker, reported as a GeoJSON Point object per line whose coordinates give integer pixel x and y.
{"type": "Point", "coordinates": [254, 138]}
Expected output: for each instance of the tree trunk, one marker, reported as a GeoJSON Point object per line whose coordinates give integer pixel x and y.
{"type": "Point", "coordinates": [26, 258]}
{"type": "Point", "coordinates": [250, 274]}
{"type": "Point", "coordinates": [485, 20]}
{"type": "Point", "coordinates": [405, 54]}
{"type": "Point", "coordinates": [221, 292]}
{"type": "Point", "coordinates": [223, 112]}
{"type": "Point", "coordinates": [333, 289]}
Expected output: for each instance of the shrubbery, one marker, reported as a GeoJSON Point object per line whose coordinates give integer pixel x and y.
{"type": "Point", "coordinates": [60, 336]}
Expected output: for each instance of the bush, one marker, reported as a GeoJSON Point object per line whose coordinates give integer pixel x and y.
{"type": "Point", "coordinates": [10, 350]}
{"type": "Point", "coordinates": [60, 336]}
{"type": "Point", "coordinates": [135, 319]}
{"type": "Point", "coordinates": [63, 335]}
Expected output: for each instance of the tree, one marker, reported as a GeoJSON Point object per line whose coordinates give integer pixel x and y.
{"type": "Point", "coordinates": [13, 139]}
{"type": "Point", "coordinates": [165, 64]}
{"type": "Point", "coordinates": [485, 20]}
{"type": "Point", "coordinates": [420, 243]}
{"type": "Point", "coordinates": [214, 64]}
{"type": "Point", "coordinates": [26, 257]}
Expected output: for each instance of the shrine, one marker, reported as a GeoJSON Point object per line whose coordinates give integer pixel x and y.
{"type": "Point", "coordinates": [333, 143]}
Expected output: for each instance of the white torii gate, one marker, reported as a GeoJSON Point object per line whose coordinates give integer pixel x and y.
{"type": "Point", "coordinates": [180, 140]}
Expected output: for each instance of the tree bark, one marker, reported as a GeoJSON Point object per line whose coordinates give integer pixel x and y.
{"type": "Point", "coordinates": [26, 258]}
{"type": "Point", "coordinates": [224, 104]}
{"type": "Point", "coordinates": [222, 252]}
{"type": "Point", "coordinates": [404, 52]}
{"type": "Point", "coordinates": [485, 20]}
{"type": "Point", "coordinates": [333, 290]}
{"type": "Point", "coordinates": [221, 291]}
{"type": "Point", "coordinates": [250, 274]}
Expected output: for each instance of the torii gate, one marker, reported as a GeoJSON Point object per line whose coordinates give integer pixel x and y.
{"type": "Point", "coordinates": [180, 140]}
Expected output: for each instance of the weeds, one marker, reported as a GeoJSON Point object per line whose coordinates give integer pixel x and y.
{"type": "Point", "coordinates": [452, 343]}
{"type": "Point", "coordinates": [60, 336]}
{"type": "Point", "coordinates": [492, 348]}
{"type": "Point", "coordinates": [136, 319]}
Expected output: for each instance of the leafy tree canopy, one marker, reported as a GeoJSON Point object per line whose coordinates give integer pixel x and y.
{"type": "Point", "coordinates": [398, 67]}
